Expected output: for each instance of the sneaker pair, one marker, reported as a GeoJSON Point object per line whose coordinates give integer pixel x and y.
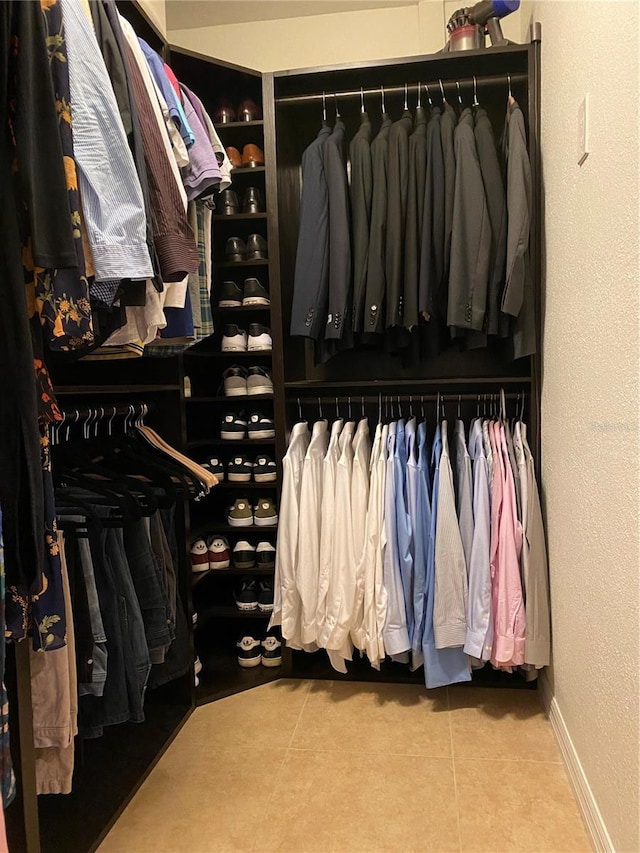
{"type": "Point", "coordinates": [235, 427]}
{"type": "Point", "coordinates": [252, 293]}
{"type": "Point", "coordinates": [212, 554]}
{"type": "Point", "coordinates": [255, 596]}
{"type": "Point", "coordinates": [242, 381]}
{"type": "Point", "coordinates": [263, 470]}
{"type": "Point", "coordinates": [253, 653]}
{"type": "Point", "coordinates": [235, 339]}
{"type": "Point", "coordinates": [245, 556]}
{"type": "Point", "coordinates": [242, 514]}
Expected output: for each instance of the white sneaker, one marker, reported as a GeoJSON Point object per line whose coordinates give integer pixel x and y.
{"type": "Point", "coordinates": [234, 339]}
{"type": "Point", "coordinates": [259, 338]}
{"type": "Point", "coordinates": [249, 654]}
{"type": "Point", "coordinates": [271, 652]}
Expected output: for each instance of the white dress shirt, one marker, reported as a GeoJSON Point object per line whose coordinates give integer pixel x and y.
{"type": "Point", "coordinates": [327, 530]}
{"type": "Point", "coordinates": [360, 485]}
{"type": "Point", "coordinates": [308, 569]}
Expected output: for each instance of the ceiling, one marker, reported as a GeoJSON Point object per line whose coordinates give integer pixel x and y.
{"type": "Point", "coordinates": [188, 14]}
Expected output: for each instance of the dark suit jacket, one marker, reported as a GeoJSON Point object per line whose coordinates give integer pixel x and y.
{"type": "Point", "coordinates": [415, 210]}
{"type": "Point", "coordinates": [397, 189]}
{"type": "Point", "coordinates": [373, 320]}
{"type": "Point", "coordinates": [335, 168]}
{"type": "Point", "coordinates": [447, 126]}
{"type": "Point", "coordinates": [432, 236]}
{"type": "Point", "coordinates": [470, 236]}
{"type": "Point", "coordinates": [311, 279]}
{"type": "Point", "coordinates": [361, 194]}
{"type": "Point", "coordinates": [497, 207]}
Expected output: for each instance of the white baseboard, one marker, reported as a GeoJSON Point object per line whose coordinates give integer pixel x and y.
{"type": "Point", "coordinates": [594, 824]}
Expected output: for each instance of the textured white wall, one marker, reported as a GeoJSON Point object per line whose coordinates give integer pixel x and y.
{"type": "Point", "coordinates": [590, 392]}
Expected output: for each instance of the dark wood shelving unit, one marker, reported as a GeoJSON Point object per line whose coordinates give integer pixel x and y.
{"type": "Point", "coordinates": [211, 527]}
{"type": "Point", "coordinates": [198, 577]}
{"type": "Point", "coordinates": [260, 353]}
{"type": "Point", "coordinates": [262, 262]}
{"type": "Point", "coordinates": [222, 399]}
{"type": "Point", "coordinates": [230, 611]}
{"type": "Point", "coordinates": [223, 676]}
{"type": "Point", "coordinates": [243, 308]}
{"type": "Point", "coordinates": [225, 484]}
{"type": "Point", "coordinates": [223, 442]}
{"type": "Point", "coordinates": [234, 217]}
{"type": "Point", "coordinates": [247, 170]}
{"type": "Point", "coordinates": [237, 125]}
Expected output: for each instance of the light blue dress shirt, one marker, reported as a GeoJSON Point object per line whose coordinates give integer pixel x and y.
{"type": "Point", "coordinates": [156, 67]}
{"type": "Point", "coordinates": [441, 666]}
{"type": "Point", "coordinates": [395, 634]}
{"type": "Point", "coordinates": [403, 523]}
{"type": "Point", "coordinates": [421, 530]}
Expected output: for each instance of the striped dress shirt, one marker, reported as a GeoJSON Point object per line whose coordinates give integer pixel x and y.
{"type": "Point", "coordinates": [112, 201]}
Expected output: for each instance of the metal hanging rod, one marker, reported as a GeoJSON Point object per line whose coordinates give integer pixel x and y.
{"type": "Point", "coordinates": [490, 80]}
{"type": "Point", "coordinates": [311, 399]}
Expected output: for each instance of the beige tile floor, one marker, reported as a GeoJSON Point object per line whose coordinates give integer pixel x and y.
{"type": "Point", "coordinates": [333, 767]}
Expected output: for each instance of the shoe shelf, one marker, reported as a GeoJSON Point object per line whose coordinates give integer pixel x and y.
{"type": "Point", "coordinates": [231, 442]}
{"type": "Point", "coordinates": [213, 527]}
{"type": "Point", "coordinates": [243, 308]}
{"type": "Point", "coordinates": [198, 577]}
{"type": "Point", "coordinates": [223, 676]}
{"type": "Point", "coordinates": [224, 484]}
{"type": "Point", "coordinates": [234, 125]}
{"type": "Point", "coordinates": [224, 399]}
{"type": "Point", "coordinates": [247, 170]}
{"type": "Point", "coordinates": [236, 216]}
{"type": "Point", "coordinates": [256, 353]}
{"type": "Point", "coordinates": [230, 611]}
{"type": "Point", "coordinates": [261, 262]}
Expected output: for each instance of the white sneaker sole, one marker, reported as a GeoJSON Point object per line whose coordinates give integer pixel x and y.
{"type": "Point", "coordinates": [269, 662]}
{"type": "Point", "coordinates": [246, 607]}
{"type": "Point", "coordinates": [232, 348]}
{"type": "Point", "coordinates": [240, 522]}
{"type": "Point", "coordinates": [265, 478]}
{"type": "Point", "coordinates": [239, 478]}
{"type": "Point", "coordinates": [249, 663]}
{"type": "Point", "coordinates": [265, 608]}
{"type": "Point", "coordinates": [256, 300]}
{"type": "Point", "coordinates": [203, 567]}
{"type": "Point", "coordinates": [232, 436]}
{"type": "Point", "coordinates": [266, 522]}
{"type": "Point", "coordinates": [255, 348]}
{"type": "Point", "coordinates": [235, 392]}
{"type": "Point", "coordinates": [262, 433]}
{"type": "Point", "coordinates": [230, 303]}
{"type": "Point", "coordinates": [260, 389]}
{"type": "Point", "coordinates": [223, 564]}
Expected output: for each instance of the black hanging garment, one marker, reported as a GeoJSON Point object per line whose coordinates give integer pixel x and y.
{"type": "Point", "coordinates": [373, 320]}
{"type": "Point", "coordinates": [335, 166]}
{"type": "Point", "coordinates": [361, 196]}
{"type": "Point", "coordinates": [415, 215]}
{"type": "Point", "coordinates": [397, 191]}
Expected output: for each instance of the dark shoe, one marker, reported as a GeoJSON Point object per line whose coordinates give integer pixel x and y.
{"type": "Point", "coordinates": [224, 113]}
{"type": "Point", "coordinates": [265, 595]}
{"type": "Point", "coordinates": [244, 555]}
{"type": "Point", "coordinates": [249, 654]}
{"type": "Point", "coordinates": [248, 110]}
{"type": "Point", "coordinates": [235, 157]}
{"type": "Point", "coordinates": [234, 381]}
{"type": "Point", "coordinates": [229, 202]}
{"type": "Point", "coordinates": [235, 250]}
{"type": "Point", "coordinates": [247, 595]}
{"type": "Point", "coordinates": [271, 647]}
{"type": "Point", "coordinates": [265, 555]}
{"type": "Point", "coordinates": [264, 470]}
{"type": "Point", "coordinates": [254, 293]}
{"type": "Point", "coordinates": [252, 200]}
{"type": "Point", "coordinates": [252, 155]}
{"type": "Point", "coordinates": [256, 248]}
{"type": "Point", "coordinates": [258, 381]}
{"type": "Point", "coordinates": [230, 295]}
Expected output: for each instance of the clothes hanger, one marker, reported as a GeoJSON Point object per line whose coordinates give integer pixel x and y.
{"type": "Point", "coordinates": [428, 95]}
{"type": "Point", "coordinates": [419, 94]}
{"type": "Point", "coordinates": [299, 409]}
{"type": "Point", "coordinates": [422, 407]}
{"type": "Point", "coordinates": [320, 409]}
{"type": "Point", "coordinates": [384, 111]}
{"type": "Point", "coordinates": [349, 408]}
{"type": "Point", "coordinates": [444, 97]}
{"type": "Point", "coordinates": [475, 102]}
{"type": "Point", "coordinates": [459, 405]}
{"type": "Point", "coordinates": [324, 108]}
{"type": "Point", "coordinates": [335, 98]}
{"type": "Point", "coordinates": [459, 95]}
{"type": "Point", "coordinates": [363, 412]}
{"type": "Point", "coordinates": [362, 107]}
{"type": "Point", "coordinates": [406, 97]}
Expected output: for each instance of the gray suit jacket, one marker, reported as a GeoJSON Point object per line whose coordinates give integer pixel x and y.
{"type": "Point", "coordinates": [517, 299]}
{"type": "Point", "coordinates": [361, 195]}
{"type": "Point", "coordinates": [335, 167]}
{"type": "Point", "coordinates": [415, 211]}
{"type": "Point", "coordinates": [397, 189]}
{"type": "Point", "coordinates": [470, 235]}
{"type": "Point", "coordinates": [447, 127]}
{"type": "Point", "coordinates": [373, 320]}
{"type": "Point", "coordinates": [311, 278]}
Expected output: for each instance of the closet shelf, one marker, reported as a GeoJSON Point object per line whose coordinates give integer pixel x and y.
{"type": "Point", "coordinates": [220, 527]}
{"type": "Point", "coordinates": [234, 125]}
{"type": "Point", "coordinates": [231, 310]}
{"type": "Point", "coordinates": [234, 217]}
{"type": "Point", "coordinates": [200, 576]}
{"type": "Point", "coordinates": [230, 611]}
{"type": "Point", "coordinates": [262, 262]}
{"type": "Point", "coordinates": [223, 676]}
{"type": "Point", "coordinates": [387, 384]}
{"type": "Point", "coordinates": [62, 390]}
{"type": "Point", "coordinates": [225, 442]}
{"type": "Point", "coordinates": [261, 353]}
{"type": "Point", "coordinates": [223, 399]}
{"type": "Point", "coordinates": [247, 170]}
{"type": "Point", "coordinates": [226, 485]}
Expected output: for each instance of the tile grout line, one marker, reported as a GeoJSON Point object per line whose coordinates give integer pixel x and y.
{"type": "Point", "coordinates": [278, 775]}
{"type": "Point", "coordinates": [453, 766]}
{"type": "Point", "coordinates": [295, 728]}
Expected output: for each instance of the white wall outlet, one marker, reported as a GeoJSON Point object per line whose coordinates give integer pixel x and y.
{"type": "Point", "coordinates": [583, 130]}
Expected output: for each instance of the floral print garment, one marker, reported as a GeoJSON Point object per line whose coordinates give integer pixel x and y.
{"type": "Point", "coordinates": [62, 296]}
{"type": "Point", "coordinates": [7, 778]}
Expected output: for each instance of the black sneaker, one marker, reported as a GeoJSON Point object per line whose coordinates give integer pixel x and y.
{"type": "Point", "coordinates": [264, 470]}
{"type": "Point", "coordinates": [214, 465]}
{"type": "Point", "coordinates": [265, 555]}
{"type": "Point", "coordinates": [233, 427]}
{"type": "Point", "coordinates": [249, 653]}
{"type": "Point", "coordinates": [254, 293]}
{"type": "Point", "coordinates": [239, 469]}
{"type": "Point", "coordinates": [271, 651]}
{"type": "Point", "coordinates": [244, 555]}
{"type": "Point", "coordinates": [230, 295]}
{"type": "Point", "coordinates": [247, 595]}
{"type": "Point", "coordinates": [265, 595]}
{"type": "Point", "coordinates": [260, 426]}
